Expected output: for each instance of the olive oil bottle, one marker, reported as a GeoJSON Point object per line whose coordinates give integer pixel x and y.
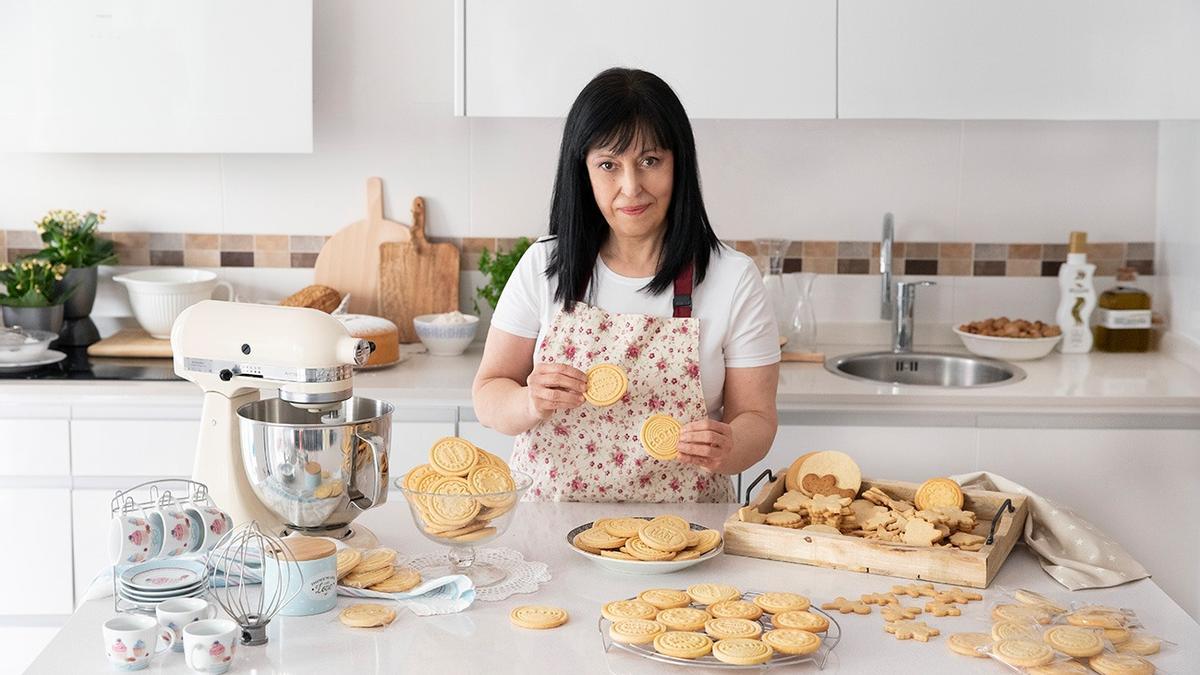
{"type": "Point", "coordinates": [1123, 316]}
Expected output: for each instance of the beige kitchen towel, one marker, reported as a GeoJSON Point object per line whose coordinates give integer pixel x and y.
{"type": "Point", "coordinates": [1072, 550]}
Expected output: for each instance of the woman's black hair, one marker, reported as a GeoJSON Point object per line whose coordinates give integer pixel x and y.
{"type": "Point", "coordinates": [620, 106]}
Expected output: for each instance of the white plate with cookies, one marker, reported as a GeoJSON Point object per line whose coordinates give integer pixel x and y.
{"type": "Point", "coordinates": [617, 544]}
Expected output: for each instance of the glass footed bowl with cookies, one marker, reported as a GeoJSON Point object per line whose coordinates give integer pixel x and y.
{"type": "Point", "coordinates": [464, 511]}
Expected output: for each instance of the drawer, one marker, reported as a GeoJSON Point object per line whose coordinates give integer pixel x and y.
{"type": "Point", "coordinates": [35, 447]}
{"type": "Point", "coordinates": [158, 448]}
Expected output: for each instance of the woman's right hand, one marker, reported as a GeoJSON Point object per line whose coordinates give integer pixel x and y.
{"type": "Point", "coordinates": [555, 386]}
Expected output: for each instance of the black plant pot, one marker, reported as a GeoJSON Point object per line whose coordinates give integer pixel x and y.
{"type": "Point", "coordinates": [79, 303]}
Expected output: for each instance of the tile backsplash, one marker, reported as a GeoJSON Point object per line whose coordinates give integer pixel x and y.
{"type": "Point", "coordinates": [956, 259]}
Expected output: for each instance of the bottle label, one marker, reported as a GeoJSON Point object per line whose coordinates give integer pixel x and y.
{"type": "Point", "coordinates": [1120, 319]}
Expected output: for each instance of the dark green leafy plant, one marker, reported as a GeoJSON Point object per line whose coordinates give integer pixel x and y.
{"type": "Point", "coordinates": [32, 283]}
{"type": "Point", "coordinates": [71, 240]}
{"type": "Point", "coordinates": [499, 268]}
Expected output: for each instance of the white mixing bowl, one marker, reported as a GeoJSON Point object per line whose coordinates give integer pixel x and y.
{"type": "Point", "coordinates": [159, 295]}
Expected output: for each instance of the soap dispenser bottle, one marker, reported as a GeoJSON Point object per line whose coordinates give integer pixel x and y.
{"type": "Point", "coordinates": [1078, 297]}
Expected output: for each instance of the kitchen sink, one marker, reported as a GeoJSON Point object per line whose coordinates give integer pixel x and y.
{"type": "Point", "coordinates": [925, 369]}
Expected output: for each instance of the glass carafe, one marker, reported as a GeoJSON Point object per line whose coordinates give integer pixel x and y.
{"type": "Point", "coordinates": [775, 250]}
{"type": "Point", "coordinates": [802, 326]}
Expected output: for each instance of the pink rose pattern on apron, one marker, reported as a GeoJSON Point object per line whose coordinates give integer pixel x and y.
{"type": "Point", "coordinates": [592, 454]}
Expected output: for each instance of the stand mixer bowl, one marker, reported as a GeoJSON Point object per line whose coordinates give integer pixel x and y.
{"type": "Point", "coordinates": [317, 469]}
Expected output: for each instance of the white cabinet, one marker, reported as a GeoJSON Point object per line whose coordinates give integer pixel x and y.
{"type": "Point", "coordinates": [34, 447]}
{"type": "Point", "coordinates": [37, 565]}
{"type": "Point", "coordinates": [150, 76]}
{"type": "Point", "coordinates": [1021, 59]}
{"type": "Point", "coordinates": [126, 440]}
{"type": "Point", "coordinates": [90, 518]}
{"type": "Point", "coordinates": [724, 59]}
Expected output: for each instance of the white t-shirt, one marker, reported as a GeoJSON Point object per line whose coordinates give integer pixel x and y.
{"type": "Point", "coordinates": [737, 329]}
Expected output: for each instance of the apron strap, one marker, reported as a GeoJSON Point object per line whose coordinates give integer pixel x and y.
{"type": "Point", "coordinates": [682, 302]}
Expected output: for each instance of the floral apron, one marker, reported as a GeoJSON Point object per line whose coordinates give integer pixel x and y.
{"type": "Point", "coordinates": [592, 454]}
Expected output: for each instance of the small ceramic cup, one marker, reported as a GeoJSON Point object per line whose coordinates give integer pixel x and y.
{"type": "Point", "coordinates": [212, 524]}
{"type": "Point", "coordinates": [130, 640]}
{"type": "Point", "coordinates": [208, 645]}
{"type": "Point", "coordinates": [176, 613]}
{"type": "Point", "coordinates": [181, 534]}
{"type": "Point", "coordinates": [314, 590]}
{"type": "Point", "coordinates": [133, 538]}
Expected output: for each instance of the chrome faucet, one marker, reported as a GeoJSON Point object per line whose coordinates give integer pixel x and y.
{"type": "Point", "coordinates": [887, 303]}
{"type": "Point", "coordinates": [896, 299]}
{"type": "Point", "coordinates": [902, 319]}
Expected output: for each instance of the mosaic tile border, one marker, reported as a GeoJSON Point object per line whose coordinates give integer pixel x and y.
{"type": "Point", "coordinates": [173, 249]}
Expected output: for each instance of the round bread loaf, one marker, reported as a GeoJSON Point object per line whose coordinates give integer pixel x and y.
{"type": "Point", "coordinates": [316, 296]}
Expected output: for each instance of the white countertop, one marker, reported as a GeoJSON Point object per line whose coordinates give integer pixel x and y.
{"type": "Point", "coordinates": [1129, 383]}
{"type": "Point", "coordinates": [481, 639]}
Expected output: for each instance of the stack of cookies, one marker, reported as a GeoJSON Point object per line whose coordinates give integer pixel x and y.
{"type": "Point", "coordinates": [660, 539]}
{"type": "Point", "coordinates": [460, 491]}
{"type": "Point", "coordinates": [716, 619]}
{"type": "Point", "coordinates": [375, 571]}
{"type": "Point", "coordinates": [823, 495]}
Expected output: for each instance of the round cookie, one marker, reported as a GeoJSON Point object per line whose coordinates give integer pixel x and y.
{"type": "Point", "coordinates": [707, 594]}
{"type": "Point", "coordinates": [1023, 653]}
{"type": "Point", "coordinates": [801, 620]}
{"type": "Point", "coordinates": [735, 609]}
{"type": "Point", "coordinates": [786, 519]}
{"type": "Point", "coordinates": [635, 631]}
{"type": "Point", "coordinates": [1141, 645]}
{"type": "Point", "coordinates": [606, 384]}
{"type": "Point", "coordinates": [968, 644]}
{"type": "Point", "coordinates": [661, 537]}
{"type": "Point", "coordinates": [402, 580]}
{"type": "Point", "coordinates": [453, 456]}
{"type": "Point", "coordinates": [660, 437]}
{"type": "Point", "coordinates": [621, 555]}
{"type": "Point", "coordinates": [1074, 641]}
{"type": "Point", "coordinates": [776, 602]}
{"type": "Point", "coordinates": [637, 548]}
{"type": "Point", "coordinates": [665, 598]}
{"type": "Point", "coordinates": [492, 484]}
{"type": "Point", "coordinates": [1038, 600]}
{"type": "Point", "coordinates": [623, 527]}
{"type": "Point", "coordinates": [683, 618]}
{"type": "Point", "coordinates": [683, 645]}
{"type": "Point", "coordinates": [726, 628]}
{"type": "Point", "coordinates": [599, 538]}
{"type": "Point", "coordinates": [706, 540]}
{"type": "Point", "coordinates": [742, 651]}
{"type": "Point", "coordinates": [938, 492]}
{"type": "Point", "coordinates": [1120, 664]}
{"type": "Point", "coordinates": [792, 478]}
{"type": "Point", "coordinates": [628, 609]}
{"type": "Point", "coordinates": [537, 617]}
{"type": "Point", "coordinates": [1101, 618]}
{"type": "Point", "coordinates": [1013, 630]}
{"type": "Point", "coordinates": [791, 641]}
{"type": "Point", "coordinates": [365, 579]}
{"type": "Point", "coordinates": [347, 559]}
{"type": "Point", "coordinates": [367, 615]}
{"type": "Point", "coordinates": [1020, 614]}
{"type": "Point", "coordinates": [672, 521]}
{"type": "Point", "coordinates": [375, 559]}
{"type": "Point", "coordinates": [830, 462]}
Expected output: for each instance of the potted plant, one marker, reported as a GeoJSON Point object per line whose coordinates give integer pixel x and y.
{"type": "Point", "coordinates": [34, 296]}
{"type": "Point", "coordinates": [71, 240]}
{"type": "Point", "coordinates": [498, 269]}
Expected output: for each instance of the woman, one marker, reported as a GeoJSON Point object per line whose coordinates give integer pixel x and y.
{"type": "Point", "coordinates": [632, 275]}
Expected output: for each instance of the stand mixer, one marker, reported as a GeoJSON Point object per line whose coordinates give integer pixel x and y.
{"type": "Point", "coordinates": [310, 460]}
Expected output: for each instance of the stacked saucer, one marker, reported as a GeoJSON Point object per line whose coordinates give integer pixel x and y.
{"type": "Point", "coordinates": [150, 583]}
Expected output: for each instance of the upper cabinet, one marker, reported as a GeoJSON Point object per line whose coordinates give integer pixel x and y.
{"type": "Point", "coordinates": [724, 58]}
{"type": "Point", "coordinates": [1019, 59]}
{"type": "Point", "coordinates": [154, 76]}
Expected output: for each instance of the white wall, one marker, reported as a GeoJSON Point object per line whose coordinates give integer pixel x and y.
{"type": "Point", "coordinates": [383, 90]}
{"type": "Point", "coordinates": [1178, 247]}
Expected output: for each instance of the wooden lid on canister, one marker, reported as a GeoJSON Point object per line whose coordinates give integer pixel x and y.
{"type": "Point", "coordinates": [306, 548]}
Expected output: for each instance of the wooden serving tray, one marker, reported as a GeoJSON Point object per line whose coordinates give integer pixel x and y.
{"type": "Point", "coordinates": [844, 552]}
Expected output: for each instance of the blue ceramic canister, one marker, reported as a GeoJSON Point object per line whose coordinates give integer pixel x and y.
{"type": "Point", "coordinates": [316, 558]}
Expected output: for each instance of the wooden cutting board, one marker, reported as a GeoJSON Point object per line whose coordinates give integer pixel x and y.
{"type": "Point", "coordinates": [347, 262]}
{"type": "Point", "coordinates": [131, 342]}
{"type": "Point", "coordinates": [417, 277]}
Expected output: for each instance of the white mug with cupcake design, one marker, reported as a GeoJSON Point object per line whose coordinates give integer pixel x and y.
{"type": "Point", "coordinates": [175, 614]}
{"type": "Point", "coordinates": [208, 645]}
{"type": "Point", "coordinates": [211, 523]}
{"type": "Point", "coordinates": [130, 640]}
{"type": "Point", "coordinates": [181, 531]}
{"type": "Point", "coordinates": [134, 537]}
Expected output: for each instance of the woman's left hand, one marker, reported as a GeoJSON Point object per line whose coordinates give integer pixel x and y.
{"type": "Point", "coordinates": [706, 443]}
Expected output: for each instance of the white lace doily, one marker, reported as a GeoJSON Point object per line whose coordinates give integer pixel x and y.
{"type": "Point", "coordinates": [524, 576]}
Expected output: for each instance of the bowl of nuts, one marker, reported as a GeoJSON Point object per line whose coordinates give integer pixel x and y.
{"type": "Point", "coordinates": [1009, 339]}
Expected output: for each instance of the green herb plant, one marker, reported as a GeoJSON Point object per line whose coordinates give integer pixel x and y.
{"type": "Point", "coordinates": [498, 268]}
{"type": "Point", "coordinates": [71, 240]}
{"type": "Point", "coordinates": [32, 282]}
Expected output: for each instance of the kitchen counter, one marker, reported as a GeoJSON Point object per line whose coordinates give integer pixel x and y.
{"type": "Point", "coordinates": [481, 639]}
{"type": "Point", "coordinates": [1151, 383]}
